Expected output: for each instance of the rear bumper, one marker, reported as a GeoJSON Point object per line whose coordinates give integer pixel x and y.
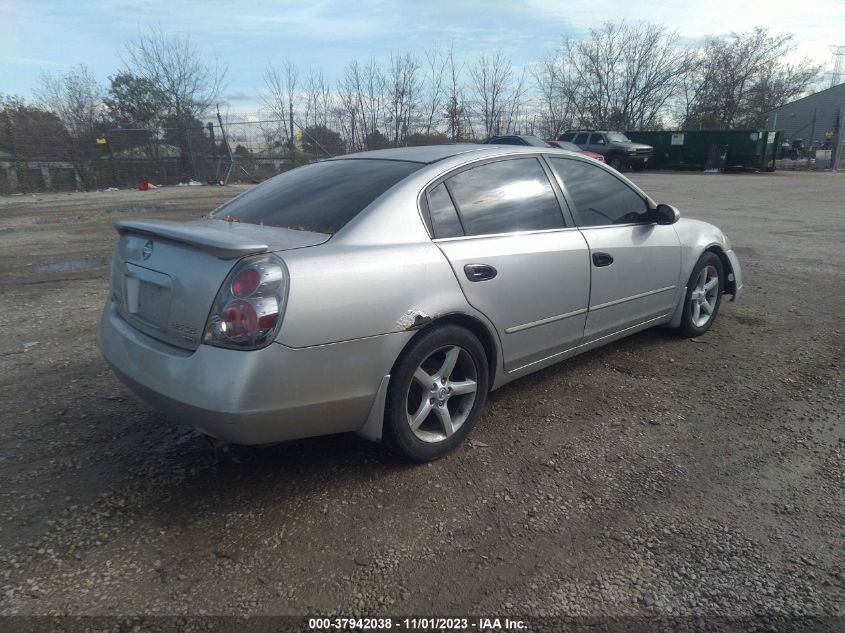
{"type": "Point", "coordinates": [736, 269]}
{"type": "Point", "coordinates": [252, 397]}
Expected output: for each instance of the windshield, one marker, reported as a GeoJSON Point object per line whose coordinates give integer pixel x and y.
{"type": "Point", "coordinates": [321, 197]}
{"type": "Point", "coordinates": [617, 137]}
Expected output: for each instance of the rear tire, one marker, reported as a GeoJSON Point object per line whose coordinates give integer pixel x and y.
{"type": "Point", "coordinates": [704, 295]}
{"type": "Point", "coordinates": [437, 390]}
{"type": "Point", "coordinates": [616, 162]}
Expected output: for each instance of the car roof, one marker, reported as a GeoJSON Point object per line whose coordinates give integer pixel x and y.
{"type": "Point", "coordinates": [425, 154]}
{"type": "Point", "coordinates": [449, 156]}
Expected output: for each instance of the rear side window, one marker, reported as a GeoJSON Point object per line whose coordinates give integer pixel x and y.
{"type": "Point", "coordinates": [504, 197]}
{"type": "Point", "coordinates": [444, 217]}
{"type": "Point", "coordinates": [600, 198]}
{"type": "Point", "coordinates": [581, 139]}
{"type": "Point", "coordinates": [568, 136]}
{"type": "Point", "coordinates": [321, 197]}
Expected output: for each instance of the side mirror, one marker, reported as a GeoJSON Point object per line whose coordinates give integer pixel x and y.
{"type": "Point", "coordinates": [666, 214]}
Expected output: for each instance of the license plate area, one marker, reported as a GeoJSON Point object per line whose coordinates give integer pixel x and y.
{"type": "Point", "coordinates": [147, 295]}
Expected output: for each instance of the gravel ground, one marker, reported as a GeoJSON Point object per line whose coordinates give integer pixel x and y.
{"type": "Point", "coordinates": [691, 480]}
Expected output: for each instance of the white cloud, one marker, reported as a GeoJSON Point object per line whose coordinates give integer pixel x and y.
{"type": "Point", "coordinates": [816, 23]}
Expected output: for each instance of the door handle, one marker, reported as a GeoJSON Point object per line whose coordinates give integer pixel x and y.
{"type": "Point", "coordinates": [480, 272]}
{"type": "Point", "coordinates": [602, 259]}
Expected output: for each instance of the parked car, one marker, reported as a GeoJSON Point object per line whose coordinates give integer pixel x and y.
{"type": "Point", "coordinates": [387, 292]}
{"type": "Point", "coordinates": [533, 141]}
{"type": "Point", "coordinates": [516, 139]}
{"type": "Point", "coordinates": [618, 150]}
{"type": "Point", "coordinates": [572, 147]}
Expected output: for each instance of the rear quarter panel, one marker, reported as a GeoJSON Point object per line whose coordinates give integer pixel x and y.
{"type": "Point", "coordinates": [340, 292]}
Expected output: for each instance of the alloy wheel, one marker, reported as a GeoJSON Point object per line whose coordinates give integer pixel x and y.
{"type": "Point", "coordinates": [704, 296]}
{"type": "Point", "coordinates": [441, 394]}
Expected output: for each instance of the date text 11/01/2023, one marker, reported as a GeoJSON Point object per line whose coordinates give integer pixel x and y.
{"type": "Point", "coordinates": [416, 624]}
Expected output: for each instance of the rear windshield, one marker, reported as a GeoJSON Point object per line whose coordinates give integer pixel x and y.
{"type": "Point", "coordinates": [321, 197]}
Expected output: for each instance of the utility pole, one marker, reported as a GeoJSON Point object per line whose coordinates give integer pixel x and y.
{"type": "Point", "coordinates": [210, 127]}
{"type": "Point", "coordinates": [15, 160]}
{"type": "Point", "coordinates": [292, 139]}
{"type": "Point", "coordinates": [840, 140]}
{"type": "Point", "coordinates": [226, 145]}
{"type": "Point", "coordinates": [812, 132]}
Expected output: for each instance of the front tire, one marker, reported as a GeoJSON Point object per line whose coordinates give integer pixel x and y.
{"type": "Point", "coordinates": [438, 388]}
{"type": "Point", "coordinates": [704, 295]}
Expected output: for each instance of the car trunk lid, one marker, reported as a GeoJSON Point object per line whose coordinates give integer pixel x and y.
{"type": "Point", "coordinates": [165, 275]}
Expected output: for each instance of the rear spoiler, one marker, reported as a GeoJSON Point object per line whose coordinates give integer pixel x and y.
{"type": "Point", "coordinates": [223, 244]}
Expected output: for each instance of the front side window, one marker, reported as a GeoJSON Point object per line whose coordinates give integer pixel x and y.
{"type": "Point", "coordinates": [321, 197]}
{"type": "Point", "coordinates": [600, 198]}
{"type": "Point", "coordinates": [596, 139]}
{"type": "Point", "coordinates": [505, 197]}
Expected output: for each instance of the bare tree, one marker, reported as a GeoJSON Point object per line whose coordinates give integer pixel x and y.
{"type": "Point", "coordinates": [742, 76]}
{"type": "Point", "coordinates": [282, 99]}
{"type": "Point", "coordinates": [403, 88]}
{"type": "Point", "coordinates": [435, 88]}
{"type": "Point", "coordinates": [187, 83]}
{"type": "Point", "coordinates": [553, 104]}
{"type": "Point", "coordinates": [514, 118]}
{"type": "Point", "coordinates": [319, 101]}
{"type": "Point", "coordinates": [694, 84]}
{"type": "Point", "coordinates": [457, 115]}
{"type": "Point", "coordinates": [362, 91]}
{"type": "Point", "coordinates": [76, 98]}
{"type": "Point", "coordinates": [491, 80]}
{"type": "Point", "coordinates": [622, 76]}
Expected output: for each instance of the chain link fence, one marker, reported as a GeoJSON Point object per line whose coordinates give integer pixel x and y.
{"type": "Point", "coordinates": [250, 149]}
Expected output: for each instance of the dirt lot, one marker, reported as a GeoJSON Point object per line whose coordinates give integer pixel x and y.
{"type": "Point", "coordinates": [657, 476]}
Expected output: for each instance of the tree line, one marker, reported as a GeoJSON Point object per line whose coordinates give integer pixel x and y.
{"type": "Point", "coordinates": [618, 76]}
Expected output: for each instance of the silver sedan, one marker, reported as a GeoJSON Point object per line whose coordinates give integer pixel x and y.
{"type": "Point", "coordinates": [388, 292]}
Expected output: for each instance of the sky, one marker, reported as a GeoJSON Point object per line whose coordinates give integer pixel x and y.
{"type": "Point", "coordinates": [38, 36]}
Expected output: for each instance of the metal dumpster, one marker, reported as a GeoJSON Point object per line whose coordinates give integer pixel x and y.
{"type": "Point", "coordinates": [753, 150]}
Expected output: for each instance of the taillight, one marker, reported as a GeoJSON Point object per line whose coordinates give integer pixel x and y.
{"type": "Point", "coordinates": [248, 308]}
{"type": "Point", "coordinates": [246, 282]}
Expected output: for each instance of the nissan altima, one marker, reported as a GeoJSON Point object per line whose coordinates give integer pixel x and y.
{"type": "Point", "coordinates": [388, 292]}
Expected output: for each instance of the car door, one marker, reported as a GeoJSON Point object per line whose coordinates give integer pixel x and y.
{"type": "Point", "coordinates": [635, 263]}
{"type": "Point", "coordinates": [581, 139]}
{"type": "Point", "coordinates": [517, 259]}
{"type": "Point", "coordinates": [597, 143]}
